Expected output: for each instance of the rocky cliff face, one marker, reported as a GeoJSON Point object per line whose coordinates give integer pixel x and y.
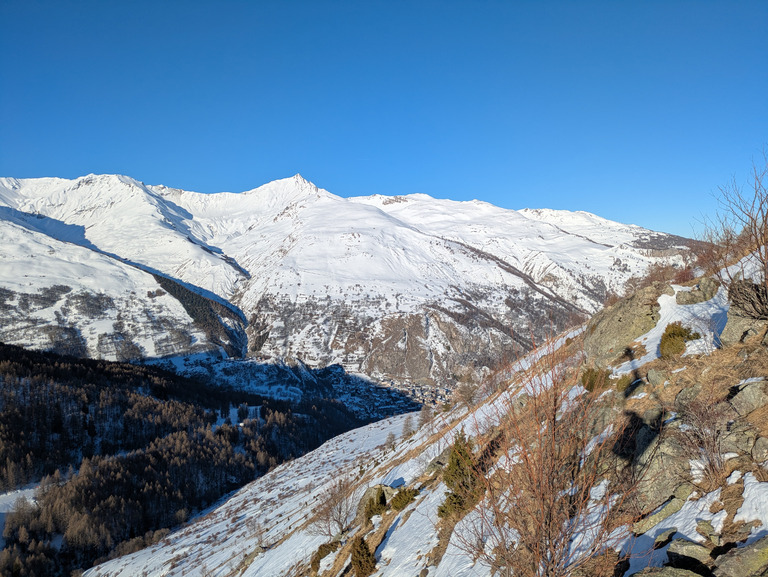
{"type": "Point", "coordinates": [611, 332]}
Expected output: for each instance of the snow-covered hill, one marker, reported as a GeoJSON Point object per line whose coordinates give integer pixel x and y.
{"type": "Point", "coordinates": [74, 300]}
{"type": "Point", "coordinates": [266, 528]}
{"type": "Point", "coordinates": [408, 288]}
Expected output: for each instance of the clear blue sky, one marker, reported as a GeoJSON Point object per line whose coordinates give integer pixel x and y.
{"type": "Point", "coordinates": [636, 111]}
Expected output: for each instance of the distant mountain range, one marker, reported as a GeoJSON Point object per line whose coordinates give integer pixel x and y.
{"type": "Point", "coordinates": [410, 289]}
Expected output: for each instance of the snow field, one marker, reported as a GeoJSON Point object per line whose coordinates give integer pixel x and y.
{"type": "Point", "coordinates": [32, 262]}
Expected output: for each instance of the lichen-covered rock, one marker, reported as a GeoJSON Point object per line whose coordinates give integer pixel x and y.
{"type": "Point", "coordinates": [439, 462]}
{"type": "Point", "coordinates": [653, 416]}
{"type": "Point", "coordinates": [739, 328]}
{"type": "Point", "coordinates": [664, 538]}
{"type": "Point", "coordinates": [683, 553]}
{"type": "Point", "coordinates": [664, 469]}
{"type": "Point", "coordinates": [657, 377]}
{"type": "Point", "coordinates": [739, 439]}
{"type": "Point", "coordinates": [369, 494]}
{"type": "Point", "coordinates": [613, 329]}
{"type": "Point", "coordinates": [749, 561]}
{"type": "Point", "coordinates": [668, 509]}
{"type": "Point", "coordinates": [666, 572]}
{"type": "Point", "coordinates": [751, 396]}
{"type": "Point", "coordinates": [684, 491]}
{"type": "Point", "coordinates": [686, 395]}
{"type": "Point", "coordinates": [760, 450]}
{"type": "Point", "coordinates": [705, 290]}
{"type": "Point", "coordinates": [707, 530]}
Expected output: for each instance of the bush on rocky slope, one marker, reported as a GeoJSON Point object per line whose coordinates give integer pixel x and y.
{"type": "Point", "coordinates": [674, 338]}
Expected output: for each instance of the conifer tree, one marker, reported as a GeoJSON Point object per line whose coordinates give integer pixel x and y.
{"type": "Point", "coordinates": [460, 476]}
{"type": "Point", "coordinates": [363, 561]}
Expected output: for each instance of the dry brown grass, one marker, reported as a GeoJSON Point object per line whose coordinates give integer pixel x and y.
{"type": "Point", "coordinates": [603, 565]}
{"type": "Point", "coordinates": [759, 420]}
{"type": "Point", "coordinates": [760, 473]}
{"type": "Point", "coordinates": [341, 560]}
{"type": "Point", "coordinates": [715, 373]}
{"type": "Point", "coordinates": [444, 531]}
{"type": "Point", "coordinates": [755, 364]}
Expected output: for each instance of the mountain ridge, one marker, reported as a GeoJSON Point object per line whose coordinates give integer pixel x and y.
{"type": "Point", "coordinates": [350, 281]}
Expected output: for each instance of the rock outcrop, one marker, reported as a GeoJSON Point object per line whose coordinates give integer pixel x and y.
{"type": "Point", "coordinates": [611, 331]}
{"type": "Point", "coordinates": [749, 561]}
{"type": "Point", "coordinates": [704, 291]}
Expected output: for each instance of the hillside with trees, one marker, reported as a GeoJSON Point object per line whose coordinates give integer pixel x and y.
{"type": "Point", "coordinates": [125, 452]}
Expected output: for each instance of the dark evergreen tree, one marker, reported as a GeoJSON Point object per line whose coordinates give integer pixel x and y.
{"type": "Point", "coordinates": [363, 561]}
{"type": "Point", "coordinates": [461, 477]}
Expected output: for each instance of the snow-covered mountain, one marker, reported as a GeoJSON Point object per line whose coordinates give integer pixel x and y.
{"type": "Point", "coordinates": [408, 288]}
{"type": "Point", "coordinates": [270, 526]}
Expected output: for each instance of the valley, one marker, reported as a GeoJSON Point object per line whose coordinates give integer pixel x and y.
{"type": "Point", "coordinates": [218, 380]}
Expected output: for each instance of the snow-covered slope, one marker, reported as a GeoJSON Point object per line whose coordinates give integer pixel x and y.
{"type": "Point", "coordinates": [265, 529]}
{"type": "Point", "coordinates": [74, 300]}
{"type": "Point", "coordinates": [408, 288]}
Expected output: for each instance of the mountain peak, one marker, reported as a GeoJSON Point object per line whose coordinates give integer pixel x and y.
{"type": "Point", "coordinates": [288, 190]}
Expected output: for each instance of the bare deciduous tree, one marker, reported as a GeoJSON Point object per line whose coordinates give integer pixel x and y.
{"type": "Point", "coordinates": [408, 429]}
{"type": "Point", "coordinates": [257, 530]}
{"type": "Point", "coordinates": [425, 415]}
{"type": "Point", "coordinates": [335, 509]}
{"type": "Point", "coordinates": [737, 242]}
{"type": "Point", "coordinates": [466, 394]}
{"type": "Point", "coordinates": [559, 472]}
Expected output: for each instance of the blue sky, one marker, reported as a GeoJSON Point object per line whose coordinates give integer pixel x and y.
{"type": "Point", "coordinates": [636, 111]}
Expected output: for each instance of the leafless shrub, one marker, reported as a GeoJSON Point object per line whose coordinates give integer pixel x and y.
{"type": "Point", "coordinates": [559, 472]}
{"type": "Point", "coordinates": [656, 272]}
{"type": "Point", "coordinates": [466, 393]}
{"type": "Point", "coordinates": [703, 427]}
{"type": "Point", "coordinates": [408, 429]}
{"type": "Point", "coordinates": [737, 242]}
{"type": "Point", "coordinates": [683, 275]}
{"type": "Point", "coordinates": [425, 415]}
{"type": "Point", "coordinates": [256, 529]}
{"type": "Point", "coordinates": [336, 507]}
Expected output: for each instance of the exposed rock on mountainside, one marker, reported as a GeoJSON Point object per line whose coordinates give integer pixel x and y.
{"type": "Point", "coordinates": [751, 561]}
{"type": "Point", "coordinates": [703, 291]}
{"type": "Point", "coordinates": [611, 331]}
{"type": "Point", "coordinates": [410, 289]}
{"type": "Point", "coordinates": [697, 438]}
